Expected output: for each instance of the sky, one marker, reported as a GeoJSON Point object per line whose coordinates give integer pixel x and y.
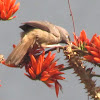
{"type": "Point", "coordinates": [15, 85]}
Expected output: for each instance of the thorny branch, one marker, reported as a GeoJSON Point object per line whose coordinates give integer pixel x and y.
{"type": "Point", "coordinates": [85, 75]}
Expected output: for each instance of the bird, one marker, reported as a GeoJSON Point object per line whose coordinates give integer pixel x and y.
{"type": "Point", "coordinates": [41, 33]}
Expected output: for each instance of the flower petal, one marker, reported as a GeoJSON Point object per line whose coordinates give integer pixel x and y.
{"type": "Point", "coordinates": [9, 14]}
{"type": "Point", "coordinates": [57, 88]}
{"type": "Point", "coordinates": [12, 3]}
{"type": "Point", "coordinates": [45, 77]}
{"type": "Point", "coordinates": [83, 36]}
{"type": "Point", "coordinates": [1, 6]}
{"type": "Point", "coordinates": [96, 41]}
{"type": "Point", "coordinates": [7, 5]}
{"type": "Point", "coordinates": [16, 7]}
{"type": "Point", "coordinates": [14, 45]}
{"type": "Point", "coordinates": [34, 62]}
{"type": "Point", "coordinates": [39, 65]}
{"type": "Point", "coordinates": [3, 14]}
{"type": "Point", "coordinates": [92, 40]}
{"type": "Point", "coordinates": [89, 48]}
{"type": "Point", "coordinates": [32, 73]}
{"type": "Point", "coordinates": [89, 58]}
{"type": "Point", "coordinates": [95, 53]}
{"type": "Point", "coordinates": [97, 59]}
{"type": "Point", "coordinates": [59, 77]}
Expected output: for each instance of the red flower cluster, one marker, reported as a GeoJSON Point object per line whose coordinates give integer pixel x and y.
{"type": "Point", "coordinates": [81, 41]}
{"type": "Point", "coordinates": [7, 9]}
{"type": "Point", "coordinates": [93, 46]}
{"type": "Point", "coordinates": [42, 68]}
{"type": "Point", "coordinates": [45, 70]}
{"type": "Point", "coordinates": [94, 49]}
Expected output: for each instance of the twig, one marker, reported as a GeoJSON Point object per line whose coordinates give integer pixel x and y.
{"type": "Point", "coordinates": [66, 68]}
{"type": "Point", "coordinates": [71, 15]}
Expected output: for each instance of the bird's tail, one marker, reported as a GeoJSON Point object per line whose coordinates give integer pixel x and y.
{"type": "Point", "coordinates": [19, 52]}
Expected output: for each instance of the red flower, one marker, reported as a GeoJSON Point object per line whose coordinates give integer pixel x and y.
{"type": "Point", "coordinates": [45, 70]}
{"type": "Point", "coordinates": [94, 49]}
{"type": "Point", "coordinates": [7, 9]}
{"type": "Point", "coordinates": [81, 41]}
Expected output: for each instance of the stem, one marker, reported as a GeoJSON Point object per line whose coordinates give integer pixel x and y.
{"type": "Point", "coordinates": [71, 15]}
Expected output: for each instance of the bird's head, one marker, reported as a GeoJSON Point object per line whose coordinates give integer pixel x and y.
{"type": "Point", "coordinates": [64, 35]}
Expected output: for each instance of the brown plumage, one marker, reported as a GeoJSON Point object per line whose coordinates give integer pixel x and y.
{"type": "Point", "coordinates": [41, 33]}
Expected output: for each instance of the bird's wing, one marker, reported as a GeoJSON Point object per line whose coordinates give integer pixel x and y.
{"type": "Point", "coordinates": [44, 25]}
